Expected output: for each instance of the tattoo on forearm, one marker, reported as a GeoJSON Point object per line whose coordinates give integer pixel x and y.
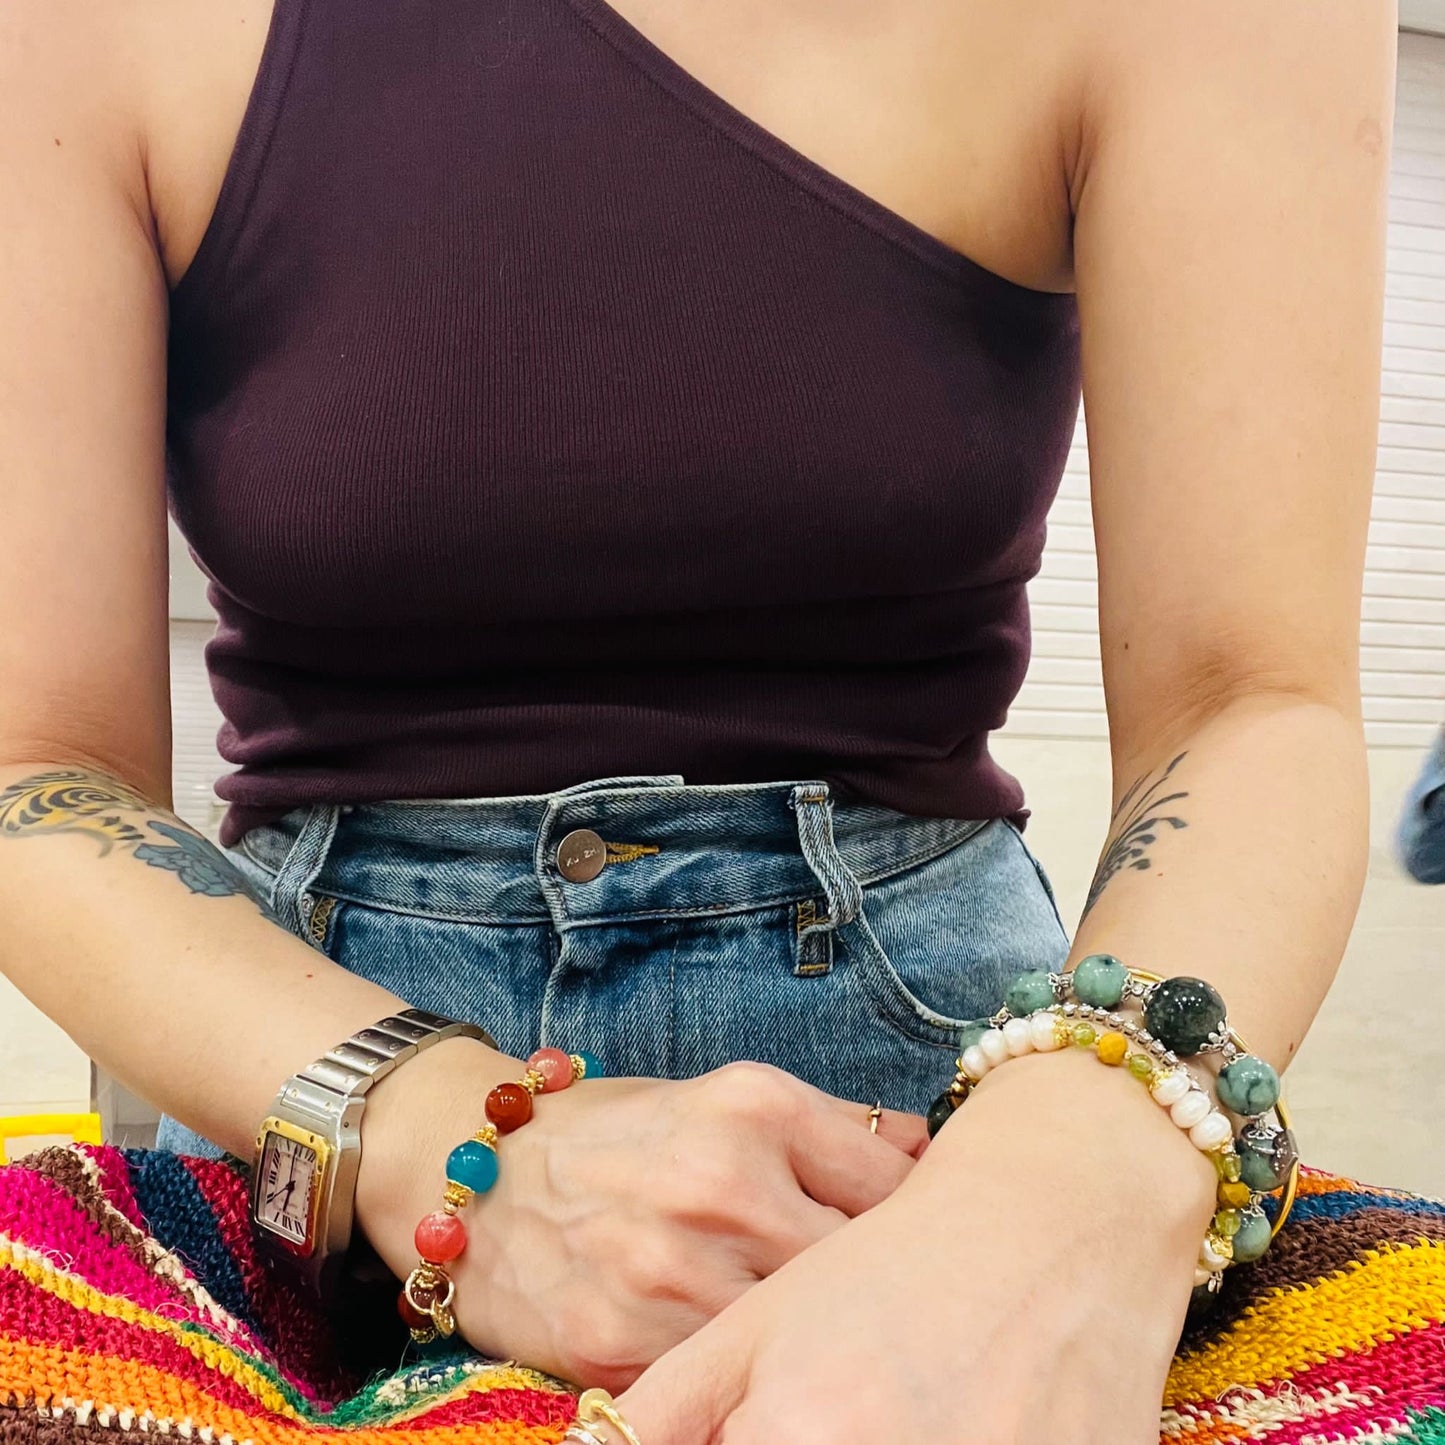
{"type": "Point", "coordinates": [71, 801]}
{"type": "Point", "coordinates": [1143, 813]}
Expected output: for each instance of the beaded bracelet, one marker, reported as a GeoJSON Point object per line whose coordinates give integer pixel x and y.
{"type": "Point", "coordinates": [425, 1302]}
{"type": "Point", "coordinates": [1182, 1018]}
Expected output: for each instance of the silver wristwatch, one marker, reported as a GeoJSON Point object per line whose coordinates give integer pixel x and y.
{"type": "Point", "coordinates": [303, 1186]}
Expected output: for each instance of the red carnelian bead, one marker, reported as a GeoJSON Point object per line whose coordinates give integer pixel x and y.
{"type": "Point", "coordinates": [509, 1106]}
{"type": "Point", "coordinates": [440, 1237]}
{"type": "Point", "coordinates": [555, 1067]}
{"type": "Point", "coordinates": [412, 1317]}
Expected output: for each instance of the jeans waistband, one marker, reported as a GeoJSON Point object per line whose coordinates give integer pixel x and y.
{"type": "Point", "coordinates": [672, 850]}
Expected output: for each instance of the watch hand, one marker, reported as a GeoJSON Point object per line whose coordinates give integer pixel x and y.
{"type": "Point", "coordinates": [284, 1189]}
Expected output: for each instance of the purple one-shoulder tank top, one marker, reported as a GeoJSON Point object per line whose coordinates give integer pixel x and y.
{"type": "Point", "coordinates": [538, 417]}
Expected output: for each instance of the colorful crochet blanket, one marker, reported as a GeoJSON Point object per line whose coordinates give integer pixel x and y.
{"type": "Point", "coordinates": [132, 1300]}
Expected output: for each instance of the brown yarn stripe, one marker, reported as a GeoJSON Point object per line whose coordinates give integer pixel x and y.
{"type": "Point", "coordinates": [26, 1426]}
{"type": "Point", "coordinates": [68, 1170]}
{"type": "Point", "coordinates": [1300, 1257]}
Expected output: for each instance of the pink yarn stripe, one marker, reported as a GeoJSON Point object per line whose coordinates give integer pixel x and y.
{"type": "Point", "coordinates": [41, 1215]}
{"type": "Point", "coordinates": [29, 1313]}
{"type": "Point", "coordinates": [114, 1181]}
{"type": "Point", "coordinates": [1400, 1375]}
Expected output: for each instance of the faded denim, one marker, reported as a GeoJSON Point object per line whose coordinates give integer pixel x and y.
{"type": "Point", "coordinates": [847, 943]}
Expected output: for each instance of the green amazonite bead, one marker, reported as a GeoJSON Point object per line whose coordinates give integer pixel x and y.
{"type": "Point", "coordinates": [1252, 1237]}
{"type": "Point", "coordinates": [1182, 1013]}
{"type": "Point", "coordinates": [1028, 993]}
{"type": "Point", "coordinates": [1099, 980]}
{"type": "Point", "coordinates": [971, 1033]}
{"type": "Point", "coordinates": [1248, 1086]}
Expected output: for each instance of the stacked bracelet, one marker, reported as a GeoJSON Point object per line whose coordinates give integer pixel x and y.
{"type": "Point", "coordinates": [425, 1303]}
{"type": "Point", "coordinates": [1182, 1018]}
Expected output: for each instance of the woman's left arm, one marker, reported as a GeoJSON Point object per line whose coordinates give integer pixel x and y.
{"type": "Point", "coordinates": [1029, 1281]}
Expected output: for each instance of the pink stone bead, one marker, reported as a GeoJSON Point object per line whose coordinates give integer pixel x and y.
{"type": "Point", "coordinates": [440, 1237]}
{"type": "Point", "coordinates": [555, 1067]}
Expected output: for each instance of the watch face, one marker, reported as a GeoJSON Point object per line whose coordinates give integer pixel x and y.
{"type": "Point", "coordinates": [288, 1180]}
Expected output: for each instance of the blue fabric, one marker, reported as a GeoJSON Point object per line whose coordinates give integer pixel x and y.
{"type": "Point", "coordinates": [1420, 836]}
{"type": "Point", "coordinates": [845, 942]}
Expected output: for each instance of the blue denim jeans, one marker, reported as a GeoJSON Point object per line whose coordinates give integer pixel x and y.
{"type": "Point", "coordinates": [846, 943]}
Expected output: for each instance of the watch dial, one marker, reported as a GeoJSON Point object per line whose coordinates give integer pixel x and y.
{"type": "Point", "coordinates": [288, 1175]}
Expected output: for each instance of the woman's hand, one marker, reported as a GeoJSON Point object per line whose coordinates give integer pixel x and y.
{"type": "Point", "coordinates": [1027, 1284]}
{"type": "Point", "coordinates": [629, 1212]}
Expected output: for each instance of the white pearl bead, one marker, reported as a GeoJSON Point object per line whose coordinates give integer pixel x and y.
{"type": "Point", "coordinates": [1171, 1087]}
{"type": "Point", "coordinates": [1043, 1029]}
{"type": "Point", "coordinates": [1211, 1131]}
{"type": "Point", "coordinates": [994, 1047]}
{"type": "Point", "coordinates": [975, 1062]}
{"type": "Point", "coordinates": [1211, 1258]}
{"type": "Point", "coordinates": [1190, 1109]}
{"type": "Point", "coordinates": [1019, 1036]}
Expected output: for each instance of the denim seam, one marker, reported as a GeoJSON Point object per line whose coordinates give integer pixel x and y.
{"type": "Point", "coordinates": [1044, 882]}
{"type": "Point", "coordinates": [753, 905]}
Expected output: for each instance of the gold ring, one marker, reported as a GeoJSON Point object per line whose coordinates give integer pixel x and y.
{"type": "Point", "coordinates": [875, 1114]}
{"type": "Point", "coordinates": [598, 1405]}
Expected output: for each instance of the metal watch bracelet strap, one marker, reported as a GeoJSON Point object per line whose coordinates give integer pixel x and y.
{"type": "Point", "coordinates": [308, 1151]}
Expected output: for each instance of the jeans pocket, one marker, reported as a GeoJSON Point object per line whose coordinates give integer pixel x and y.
{"type": "Point", "coordinates": [938, 944]}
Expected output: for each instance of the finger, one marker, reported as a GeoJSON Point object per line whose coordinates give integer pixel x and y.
{"type": "Point", "coordinates": [908, 1132]}
{"type": "Point", "coordinates": [687, 1396]}
{"type": "Point", "coordinates": [795, 1222]}
{"type": "Point", "coordinates": [838, 1161]}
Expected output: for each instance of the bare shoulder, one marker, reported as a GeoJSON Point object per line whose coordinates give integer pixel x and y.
{"type": "Point", "coordinates": [145, 95]}
{"type": "Point", "coordinates": [1230, 69]}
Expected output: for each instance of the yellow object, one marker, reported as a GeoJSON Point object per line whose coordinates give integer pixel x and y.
{"type": "Point", "coordinates": [81, 1128]}
{"type": "Point", "coordinates": [1112, 1048]}
{"type": "Point", "coordinates": [1234, 1195]}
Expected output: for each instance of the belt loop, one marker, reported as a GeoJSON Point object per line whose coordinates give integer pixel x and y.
{"type": "Point", "coordinates": [842, 892]}
{"type": "Point", "coordinates": [290, 889]}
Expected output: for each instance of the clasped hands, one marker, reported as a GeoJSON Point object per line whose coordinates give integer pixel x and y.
{"type": "Point", "coordinates": [742, 1261]}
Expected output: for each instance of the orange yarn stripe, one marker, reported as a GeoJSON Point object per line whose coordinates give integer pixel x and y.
{"type": "Point", "coordinates": [51, 1375]}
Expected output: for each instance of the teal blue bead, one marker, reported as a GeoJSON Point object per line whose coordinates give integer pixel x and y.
{"type": "Point", "coordinates": [1253, 1237]}
{"type": "Point", "coordinates": [472, 1165]}
{"type": "Point", "coordinates": [972, 1032]}
{"type": "Point", "coordinates": [1266, 1156]}
{"type": "Point", "coordinates": [1182, 1013]}
{"type": "Point", "coordinates": [1099, 980]}
{"type": "Point", "coordinates": [1248, 1086]}
{"type": "Point", "coordinates": [1028, 993]}
{"type": "Point", "coordinates": [592, 1065]}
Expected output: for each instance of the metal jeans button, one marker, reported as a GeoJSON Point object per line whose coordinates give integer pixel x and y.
{"type": "Point", "coordinates": [581, 856]}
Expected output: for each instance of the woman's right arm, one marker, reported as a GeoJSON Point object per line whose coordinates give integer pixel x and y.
{"type": "Point", "coordinates": [632, 1210]}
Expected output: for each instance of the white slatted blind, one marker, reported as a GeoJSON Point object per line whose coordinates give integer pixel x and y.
{"type": "Point", "coordinates": [1403, 633]}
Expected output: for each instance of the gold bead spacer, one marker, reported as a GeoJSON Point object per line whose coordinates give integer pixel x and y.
{"type": "Point", "coordinates": [457, 1196]}
{"type": "Point", "coordinates": [579, 1067]}
{"type": "Point", "coordinates": [533, 1082]}
{"type": "Point", "coordinates": [487, 1135]}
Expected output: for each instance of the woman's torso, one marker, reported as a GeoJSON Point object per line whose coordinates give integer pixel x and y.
{"type": "Point", "coordinates": [579, 390]}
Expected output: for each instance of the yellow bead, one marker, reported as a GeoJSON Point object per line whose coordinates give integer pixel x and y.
{"type": "Point", "coordinates": [1226, 1164]}
{"type": "Point", "coordinates": [1112, 1048]}
{"type": "Point", "coordinates": [1084, 1035]}
{"type": "Point", "coordinates": [1226, 1222]}
{"type": "Point", "coordinates": [1233, 1195]}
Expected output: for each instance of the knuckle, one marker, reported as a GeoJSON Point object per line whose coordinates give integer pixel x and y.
{"type": "Point", "coordinates": [604, 1347]}
{"type": "Point", "coordinates": [655, 1266]}
{"type": "Point", "coordinates": [754, 1091]}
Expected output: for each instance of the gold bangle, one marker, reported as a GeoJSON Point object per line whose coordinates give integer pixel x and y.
{"type": "Point", "coordinates": [598, 1405]}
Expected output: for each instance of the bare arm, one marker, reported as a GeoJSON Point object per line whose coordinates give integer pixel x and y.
{"type": "Point", "coordinates": [184, 988]}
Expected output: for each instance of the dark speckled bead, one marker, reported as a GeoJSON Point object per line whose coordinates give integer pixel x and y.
{"type": "Point", "coordinates": [1266, 1156]}
{"type": "Point", "coordinates": [1182, 1014]}
{"type": "Point", "coordinates": [939, 1113]}
{"type": "Point", "coordinates": [1028, 993]}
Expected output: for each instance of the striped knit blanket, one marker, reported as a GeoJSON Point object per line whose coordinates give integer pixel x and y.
{"type": "Point", "coordinates": [132, 1300]}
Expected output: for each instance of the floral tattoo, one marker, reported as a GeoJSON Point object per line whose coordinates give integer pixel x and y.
{"type": "Point", "coordinates": [1142, 815]}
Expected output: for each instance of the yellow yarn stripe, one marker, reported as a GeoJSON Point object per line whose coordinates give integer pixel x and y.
{"type": "Point", "coordinates": [83, 1296]}
{"type": "Point", "coordinates": [1394, 1289]}
{"type": "Point", "coordinates": [50, 1376]}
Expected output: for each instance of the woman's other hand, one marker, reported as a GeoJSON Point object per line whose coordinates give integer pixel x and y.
{"type": "Point", "coordinates": [628, 1212]}
{"type": "Point", "coordinates": [1031, 1287]}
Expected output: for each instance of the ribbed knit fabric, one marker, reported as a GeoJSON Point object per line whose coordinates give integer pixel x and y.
{"type": "Point", "coordinates": [539, 417]}
{"type": "Point", "coordinates": [133, 1301]}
